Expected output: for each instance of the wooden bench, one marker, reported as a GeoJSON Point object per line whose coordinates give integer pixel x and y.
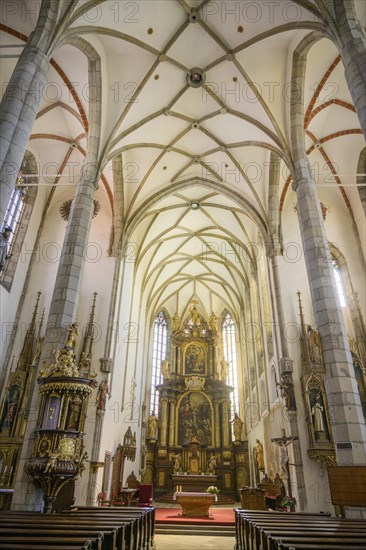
{"type": "Point", "coordinates": [146, 518]}
{"type": "Point", "coordinates": [47, 542]}
{"type": "Point", "coordinates": [257, 530]}
{"type": "Point", "coordinates": [115, 537]}
{"type": "Point", "coordinates": [95, 527]}
{"type": "Point", "coordinates": [139, 535]}
{"type": "Point", "coordinates": [19, 530]}
{"type": "Point", "coordinates": [30, 546]}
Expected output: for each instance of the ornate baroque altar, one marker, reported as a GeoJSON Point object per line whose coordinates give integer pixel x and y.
{"type": "Point", "coordinates": [191, 441]}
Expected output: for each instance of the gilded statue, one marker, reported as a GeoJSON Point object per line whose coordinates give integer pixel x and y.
{"type": "Point", "coordinates": [314, 344]}
{"type": "Point", "coordinates": [152, 426]}
{"type": "Point", "coordinates": [224, 369]}
{"type": "Point", "coordinates": [176, 322]}
{"type": "Point", "coordinates": [238, 427]}
{"type": "Point", "coordinates": [260, 455]}
{"type": "Point", "coordinates": [72, 330]}
{"type": "Point", "coordinates": [213, 322]}
{"type": "Point", "coordinates": [165, 369]}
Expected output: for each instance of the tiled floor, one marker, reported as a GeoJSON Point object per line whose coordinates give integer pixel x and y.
{"type": "Point", "coordinates": [173, 542]}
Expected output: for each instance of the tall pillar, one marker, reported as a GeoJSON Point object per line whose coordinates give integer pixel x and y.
{"type": "Point", "coordinates": [342, 393]}
{"type": "Point", "coordinates": [346, 415]}
{"type": "Point", "coordinates": [21, 100]}
{"type": "Point", "coordinates": [171, 423]}
{"type": "Point", "coordinates": [350, 39]}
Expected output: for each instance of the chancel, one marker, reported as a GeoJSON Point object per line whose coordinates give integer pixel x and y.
{"type": "Point", "coordinates": [182, 264]}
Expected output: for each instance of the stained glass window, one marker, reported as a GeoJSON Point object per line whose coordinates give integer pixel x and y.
{"type": "Point", "coordinates": [159, 354]}
{"type": "Point", "coordinates": [229, 337]}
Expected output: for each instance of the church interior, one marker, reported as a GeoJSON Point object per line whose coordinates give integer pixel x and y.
{"type": "Point", "coordinates": [183, 246]}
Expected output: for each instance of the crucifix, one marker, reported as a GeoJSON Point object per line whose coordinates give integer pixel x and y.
{"type": "Point", "coordinates": [283, 442]}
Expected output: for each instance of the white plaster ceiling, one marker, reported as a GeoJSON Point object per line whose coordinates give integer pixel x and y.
{"type": "Point", "coordinates": [148, 112]}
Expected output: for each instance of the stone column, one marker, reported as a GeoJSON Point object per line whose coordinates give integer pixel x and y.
{"type": "Point", "coordinates": [350, 39]}
{"type": "Point", "coordinates": [69, 274]}
{"type": "Point", "coordinates": [171, 423]}
{"type": "Point", "coordinates": [345, 410]}
{"type": "Point", "coordinates": [343, 398]}
{"type": "Point", "coordinates": [21, 100]}
{"type": "Point", "coordinates": [164, 421]}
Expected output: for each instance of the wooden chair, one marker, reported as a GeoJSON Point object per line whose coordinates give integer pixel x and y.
{"type": "Point", "coordinates": [145, 495]}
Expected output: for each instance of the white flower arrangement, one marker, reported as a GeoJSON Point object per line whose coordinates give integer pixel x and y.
{"type": "Point", "coordinates": [213, 490]}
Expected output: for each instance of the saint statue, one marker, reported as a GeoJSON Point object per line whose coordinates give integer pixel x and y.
{"type": "Point", "coordinates": [195, 316]}
{"type": "Point", "coordinates": [177, 463]}
{"type": "Point", "coordinates": [176, 322]}
{"type": "Point", "coordinates": [72, 330]}
{"type": "Point", "coordinates": [103, 391]}
{"type": "Point", "coordinates": [314, 344]}
{"type": "Point", "coordinates": [165, 369]}
{"type": "Point", "coordinates": [238, 427]}
{"type": "Point", "coordinates": [152, 426]}
{"type": "Point", "coordinates": [4, 238]}
{"type": "Point", "coordinates": [317, 414]}
{"type": "Point", "coordinates": [287, 392]}
{"type": "Point", "coordinates": [260, 456]}
{"type": "Point", "coordinates": [213, 322]}
{"type": "Point", "coordinates": [212, 463]}
{"type": "Point", "coordinates": [224, 369]}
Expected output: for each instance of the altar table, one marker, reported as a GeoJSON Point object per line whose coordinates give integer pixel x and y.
{"type": "Point", "coordinates": [195, 504]}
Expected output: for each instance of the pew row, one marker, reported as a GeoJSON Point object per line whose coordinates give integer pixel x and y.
{"type": "Point", "coordinates": [87, 528]}
{"type": "Point", "coordinates": [262, 530]}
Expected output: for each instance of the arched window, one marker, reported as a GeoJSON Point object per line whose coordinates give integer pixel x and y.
{"type": "Point", "coordinates": [159, 354]}
{"type": "Point", "coordinates": [339, 283]}
{"type": "Point", "coordinates": [229, 344]}
{"type": "Point", "coordinates": [14, 211]}
{"type": "Point", "coordinates": [17, 215]}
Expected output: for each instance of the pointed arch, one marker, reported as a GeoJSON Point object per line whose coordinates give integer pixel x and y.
{"type": "Point", "coordinates": [229, 332]}
{"type": "Point", "coordinates": [159, 354]}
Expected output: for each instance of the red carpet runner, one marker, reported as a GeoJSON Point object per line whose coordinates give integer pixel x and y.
{"type": "Point", "coordinates": [218, 516]}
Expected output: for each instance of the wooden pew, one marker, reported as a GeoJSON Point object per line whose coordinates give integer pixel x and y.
{"type": "Point", "coordinates": [140, 519]}
{"type": "Point", "coordinates": [16, 530]}
{"type": "Point", "coordinates": [274, 530]}
{"type": "Point", "coordinates": [114, 536]}
{"type": "Point", "coordinates": [45, 543]}
{"type": "Point", "coordinates": [29, 546]}
{"type": "Point", "coordinates": [147, 516]}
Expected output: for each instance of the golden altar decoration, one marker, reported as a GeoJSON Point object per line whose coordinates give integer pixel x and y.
{"type": "Point", "coordinates": [194, 416]}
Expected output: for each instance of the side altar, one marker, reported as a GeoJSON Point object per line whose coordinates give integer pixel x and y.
{"type": "Point", "coordinates": [189, 443]}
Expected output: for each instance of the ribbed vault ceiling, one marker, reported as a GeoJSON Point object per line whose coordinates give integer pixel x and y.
{"type": "Point", "coordinates": [180, 144]}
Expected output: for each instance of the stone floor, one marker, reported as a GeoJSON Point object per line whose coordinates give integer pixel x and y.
{"type": "Point", "coordinates": [173, 542]}
{"type": "Point", "coordinates": [190, 542]}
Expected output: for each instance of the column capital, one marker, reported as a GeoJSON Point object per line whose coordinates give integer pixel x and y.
{"type": "Point", "coordinates": [286, 365]}
{"type": "Point", "coordinates": [106, 364]}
